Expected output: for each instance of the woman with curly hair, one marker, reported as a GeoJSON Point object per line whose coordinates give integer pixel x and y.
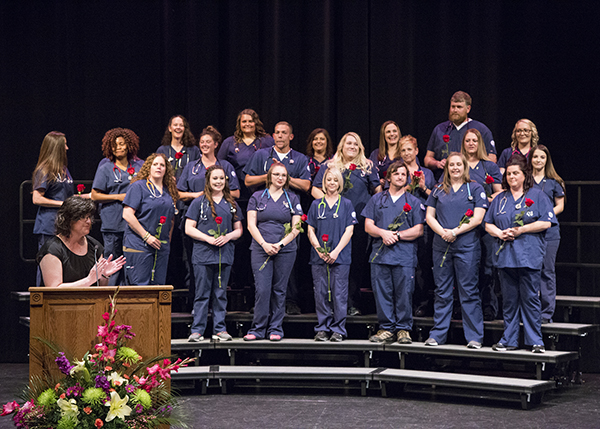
{"type": "Point", "coordinates": [213, 221]}
{"type": "Point", "coordinates": [149, 210]}
{"type": "Point", "coordinates": [525, 137]}
{"type": "Point", "coordinates": [388, 150]}
{"type": "Point", "coordinates": [69, 258]}
{"type": "Point", "coordinates": [360, 182]}
{"type": "Point", "coordinates": [120, 147]}
{"type": "Point", "coordinates": [319, 149]}
{"type": "Point", "coordinates": [249, 136]}
{"type": "Point", "coordinates": [179, 144]}
{"type": "Point", "coordinates": [52, 184]}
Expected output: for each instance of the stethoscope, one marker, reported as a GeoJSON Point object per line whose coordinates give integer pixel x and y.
{"type": "Point", "coordinates": [288, 204]}
{"type": "Point", "coordinates": [504, 201]}
{"type": "Point", "coordinates": [311, 161]}
{"type": "Point", "coordinates": [199, 164]}
{"type": "Point", "coordinates": [270, 158]}
{"type": "Point", "coordinates": [323, 205]}
{"type": "Point", "coordinates": [203, 202]}
{"type": "Point", "coordinates": [385, 199]}
{"type": "Point", "coordinates": [117, 169]}
{"type": "Point", "coordinates": [237, 145]}
{"type": "Point", "coordinates": [154, 192]}
{"type": "Point", "coordinates": [439, 186]}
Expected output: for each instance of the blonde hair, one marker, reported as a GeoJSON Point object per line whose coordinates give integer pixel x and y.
{"type": "Point", "coordinates": [535, 137]}
{"type": "Point", "coordinates": [338, 175]}
{"type": "Point", "coordinates": [446, 183]}
{"type": "Point", "coordinates": [361, 161]}
{"type": "Point", "coordinates": [481, 150]}
{"type": "Point", "coordinates": [52, 162]}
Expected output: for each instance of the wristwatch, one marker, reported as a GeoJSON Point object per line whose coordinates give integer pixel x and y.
{"type": "Point", "coordinates": [281, 245]}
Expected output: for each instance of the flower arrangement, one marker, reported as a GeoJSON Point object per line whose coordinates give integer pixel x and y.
{"type": "Point", "coordinates": [395, 225]}
{"type": "Point", "coordinates": [217, 234]}
{"type": "Point", "coordinates": [325, 250]}
{"type": "Point", "coordinates": [287, 231]}
{"type": "Point", "coordinates": [465, 219]}
{"type": "Point", "coordinates": [110, 387]}
{"type": "Point", "coordinates": [347, 182]}
{"type": "Point", "coordinates": [161, 222]}
{"type": "Point", "coordinates": [518, 220]}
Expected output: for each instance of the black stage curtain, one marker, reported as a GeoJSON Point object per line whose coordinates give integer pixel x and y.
{"type": "Point", "coordinates": [345, 65]}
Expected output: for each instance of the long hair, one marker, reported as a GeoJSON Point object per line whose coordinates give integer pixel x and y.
{"type": "Point", "coordinates": [447, 183]}
{"type": "Point", "coordinates": [361, 161]}
{"type": "Point", "coordinates": [168, 178]}
{"type": "Point", "coordinates": [521, 162]}
{"type": "Point", "coordinates": [481, 150]}
{"type": "Point", "coordinates": [208, 191]}
{"type": "Point", "coordinates": [383, 144]}
{"type": "Point", "coordinates": [286, 185]}
{"type": "Point", "coordinates": [188, 138]}
{"type": "Point", "coordinates": [71, 210]}
{"type": "Point", "coordinates": [109, 142]}
{"type": "Point", "coordinates": [535, 137]}
{"type": "Point", "coordinates": [52, 161]}
{"type": "Point", "coordinates": [259, 130]}
{"type": "Point", "coordinates": [549, 170]}
{"type": "Point", "coordinates": [328, 149]}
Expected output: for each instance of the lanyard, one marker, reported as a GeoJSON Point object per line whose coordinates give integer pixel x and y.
{"type": "Point", "coordinates": [291, 161]}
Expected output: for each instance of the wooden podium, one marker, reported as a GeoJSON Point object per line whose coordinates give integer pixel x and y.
{"type": "Point", "coordinates": [69, 317]}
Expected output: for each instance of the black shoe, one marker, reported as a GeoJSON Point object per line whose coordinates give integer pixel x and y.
{"type": "Point", "coordinates": [489, 315]}
{"type": "Point", "coordinates": [336, 338]}
{"type": "Point", "coordinates": [545, 321]}
{"type": "Point", "coordinates": [292, 309]}
{"type": "Point", "coordinates": [499, 347]}
{"type": "Point", "coordinates": [353, 311]}
{"type": "Point", "coordinates": [321, 336]}
{"type": "Point", "coordinates": [538, 349]}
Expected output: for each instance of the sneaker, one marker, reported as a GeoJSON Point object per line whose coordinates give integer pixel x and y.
{"type": "Point", "coordinates": [250, 337]}
{"type": "Point", "coordinates": [431, 342]}
{"type": "Point", "coordinates": [336, 337]}
{"type": "Point", "coordinates": [222, 336]}
{"type": "Point", "coordinates": [292, 309]}
{"type": "Point", "coordinates": [538, 349]}
{"type": "Point", "coordinates": [489, 314]}
{"type": "Point", "coordinates": [546, 321]}
{"type": "Point", "coordinates": [382, 336]}
{"type": "Point", "coordinates": [321, 336]}
{"type": "Point", "coordinates": [274, 337]}
{"type": "Point", "coordinates": [474, 345]}
{"type": "Point", "coordinates": [353, 311]}
{"type": "Point", "coordinates": [195, 338]}
{"type": "Point", "coordinates": [404, 337]}
{"type": "Point", "coordinates": [499, 347]}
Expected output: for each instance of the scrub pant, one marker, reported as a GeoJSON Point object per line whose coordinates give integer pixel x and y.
{"type": "Point", "coordinates": [548, 281]}
{"type": "Point", "coordinates": [393, 287]}
{"type": "Point", "coordinates": [113, 245]}
{"type": "Point", "coordinates": [489, 300]}
{"type": "Point", "coordinates": [42, 238]}
{"type": "Point", "coordinates": [521, 302]}
{"type": "Point", "coordinates": [271, 285]}
{"type": "Point", "coordinates": [460, 271]}
{"type": "Point", "coordinates": [331, 315]}
{"type": "Point", "coordinates": [138, 270]}
{"type": "Point", "coordinates": [207, 286]}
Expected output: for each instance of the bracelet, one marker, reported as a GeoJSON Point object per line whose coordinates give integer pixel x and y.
{"type": "Point", "coordinates": [146, 236]}
{"type": "Point", "coordinates": [453, 233]}
{"type": "Point", "coordinates": [262, 244]}
{"type": "Point", "coordinates": [104, 277]}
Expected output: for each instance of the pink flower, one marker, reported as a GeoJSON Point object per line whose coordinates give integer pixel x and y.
{"type": "Point", "coordinates": [102, 331]}
{"type": "Point", "coordinates": [9, 408]}
{"type": "Point", "coordinates": [153, 369]}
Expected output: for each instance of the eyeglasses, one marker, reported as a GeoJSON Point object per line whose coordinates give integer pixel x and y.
{"type": "Point", "coordinates": [521, 131]}
{"type": "Point", "coordinates": [283, 175]}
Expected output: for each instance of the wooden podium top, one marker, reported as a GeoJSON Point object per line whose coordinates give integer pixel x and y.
{"type": "Point", "coordinates": [100, 288]}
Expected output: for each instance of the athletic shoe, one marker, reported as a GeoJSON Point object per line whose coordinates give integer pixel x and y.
{"type": "Point", "coordinates": [382, 336]}
{"type": "Point", "coordinates": [404, 337]}
{"type": "Point", "coordinates": [195, 338]}
{"type": "Point", "coordinates": [431, 342]}
{"type": "Point", "coordinates": [499, 347]}
{"type": "Point", "coordinates": [474, 345]}
{"type": "Point", "coordinates": [222, 336]}
{"type": "Point", "coordinates": [321, 336]}
{"type": "Point", "coordinates": [336, 337]}
{"type": "Point", "coordinates": [538, 349]}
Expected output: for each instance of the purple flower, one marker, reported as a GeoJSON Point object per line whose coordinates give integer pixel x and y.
{"type": "Point", "coordinates": [139, 408]}
{"type": "Point", "coordinates": [63, 364]}
{"type": "Point", "coordinates": [102, 382]}
{"type": "Point", "coordinates": [76, 390]}
{"type": "Point", "coordinates": [130, 388]}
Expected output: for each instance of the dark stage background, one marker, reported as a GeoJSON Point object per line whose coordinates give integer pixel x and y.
{"type": "Point", "coordinates": [85, 67]}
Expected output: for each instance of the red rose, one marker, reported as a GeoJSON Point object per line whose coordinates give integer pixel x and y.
{"type": "Point", "coordinates": [131, 171]}
{"type": "Point", "coordinates": [528, 202]}
{"type": "Point", "coordinates": [317, 168]}
{"type": "Point", "coordinates": [469, 213]}
{"type": "Point", "coordinates": [325, 238]}
{"type": "Point", "coordinates": [489, 179]}
{"type": "Point", "coordinates": [218, 220]}
{"type": "Point", "coordinates": [98, 423]}
{"type": "Point", "coordinates": [418, 173]}
{"type": "Point", "coordinates": [80, 188]}
{"type": "Point", "coordinates": [407, 207]}
{"type": "Point", "coordinates": [304, 217]}
{"type": "Point", "coordinates": [162, 220]}
{"type": "Point", "coordinates": [384, 174]}
{"type": "Point", "coordinates": [178, 155]}
{"type": "Point", "coordinates": [352, 167]}
{"type": "Point", "coordinates": [446, 138]}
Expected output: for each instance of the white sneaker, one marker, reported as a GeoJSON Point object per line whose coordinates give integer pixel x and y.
{"type": "Point", "coordinates": [431, 342]}
{"type": "Point", "coordinates": [195, 338]}
{"type": "Point", "coordinates": [474, 345]}
{"type": "Point", "coordinates": [222, 336]}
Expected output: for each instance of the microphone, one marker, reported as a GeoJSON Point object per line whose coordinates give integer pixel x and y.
{"type": "Point", "coordinates": [96, 261]}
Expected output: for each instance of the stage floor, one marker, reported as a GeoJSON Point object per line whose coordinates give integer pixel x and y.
{"type": "Point", "coordinates": [335, 407]}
